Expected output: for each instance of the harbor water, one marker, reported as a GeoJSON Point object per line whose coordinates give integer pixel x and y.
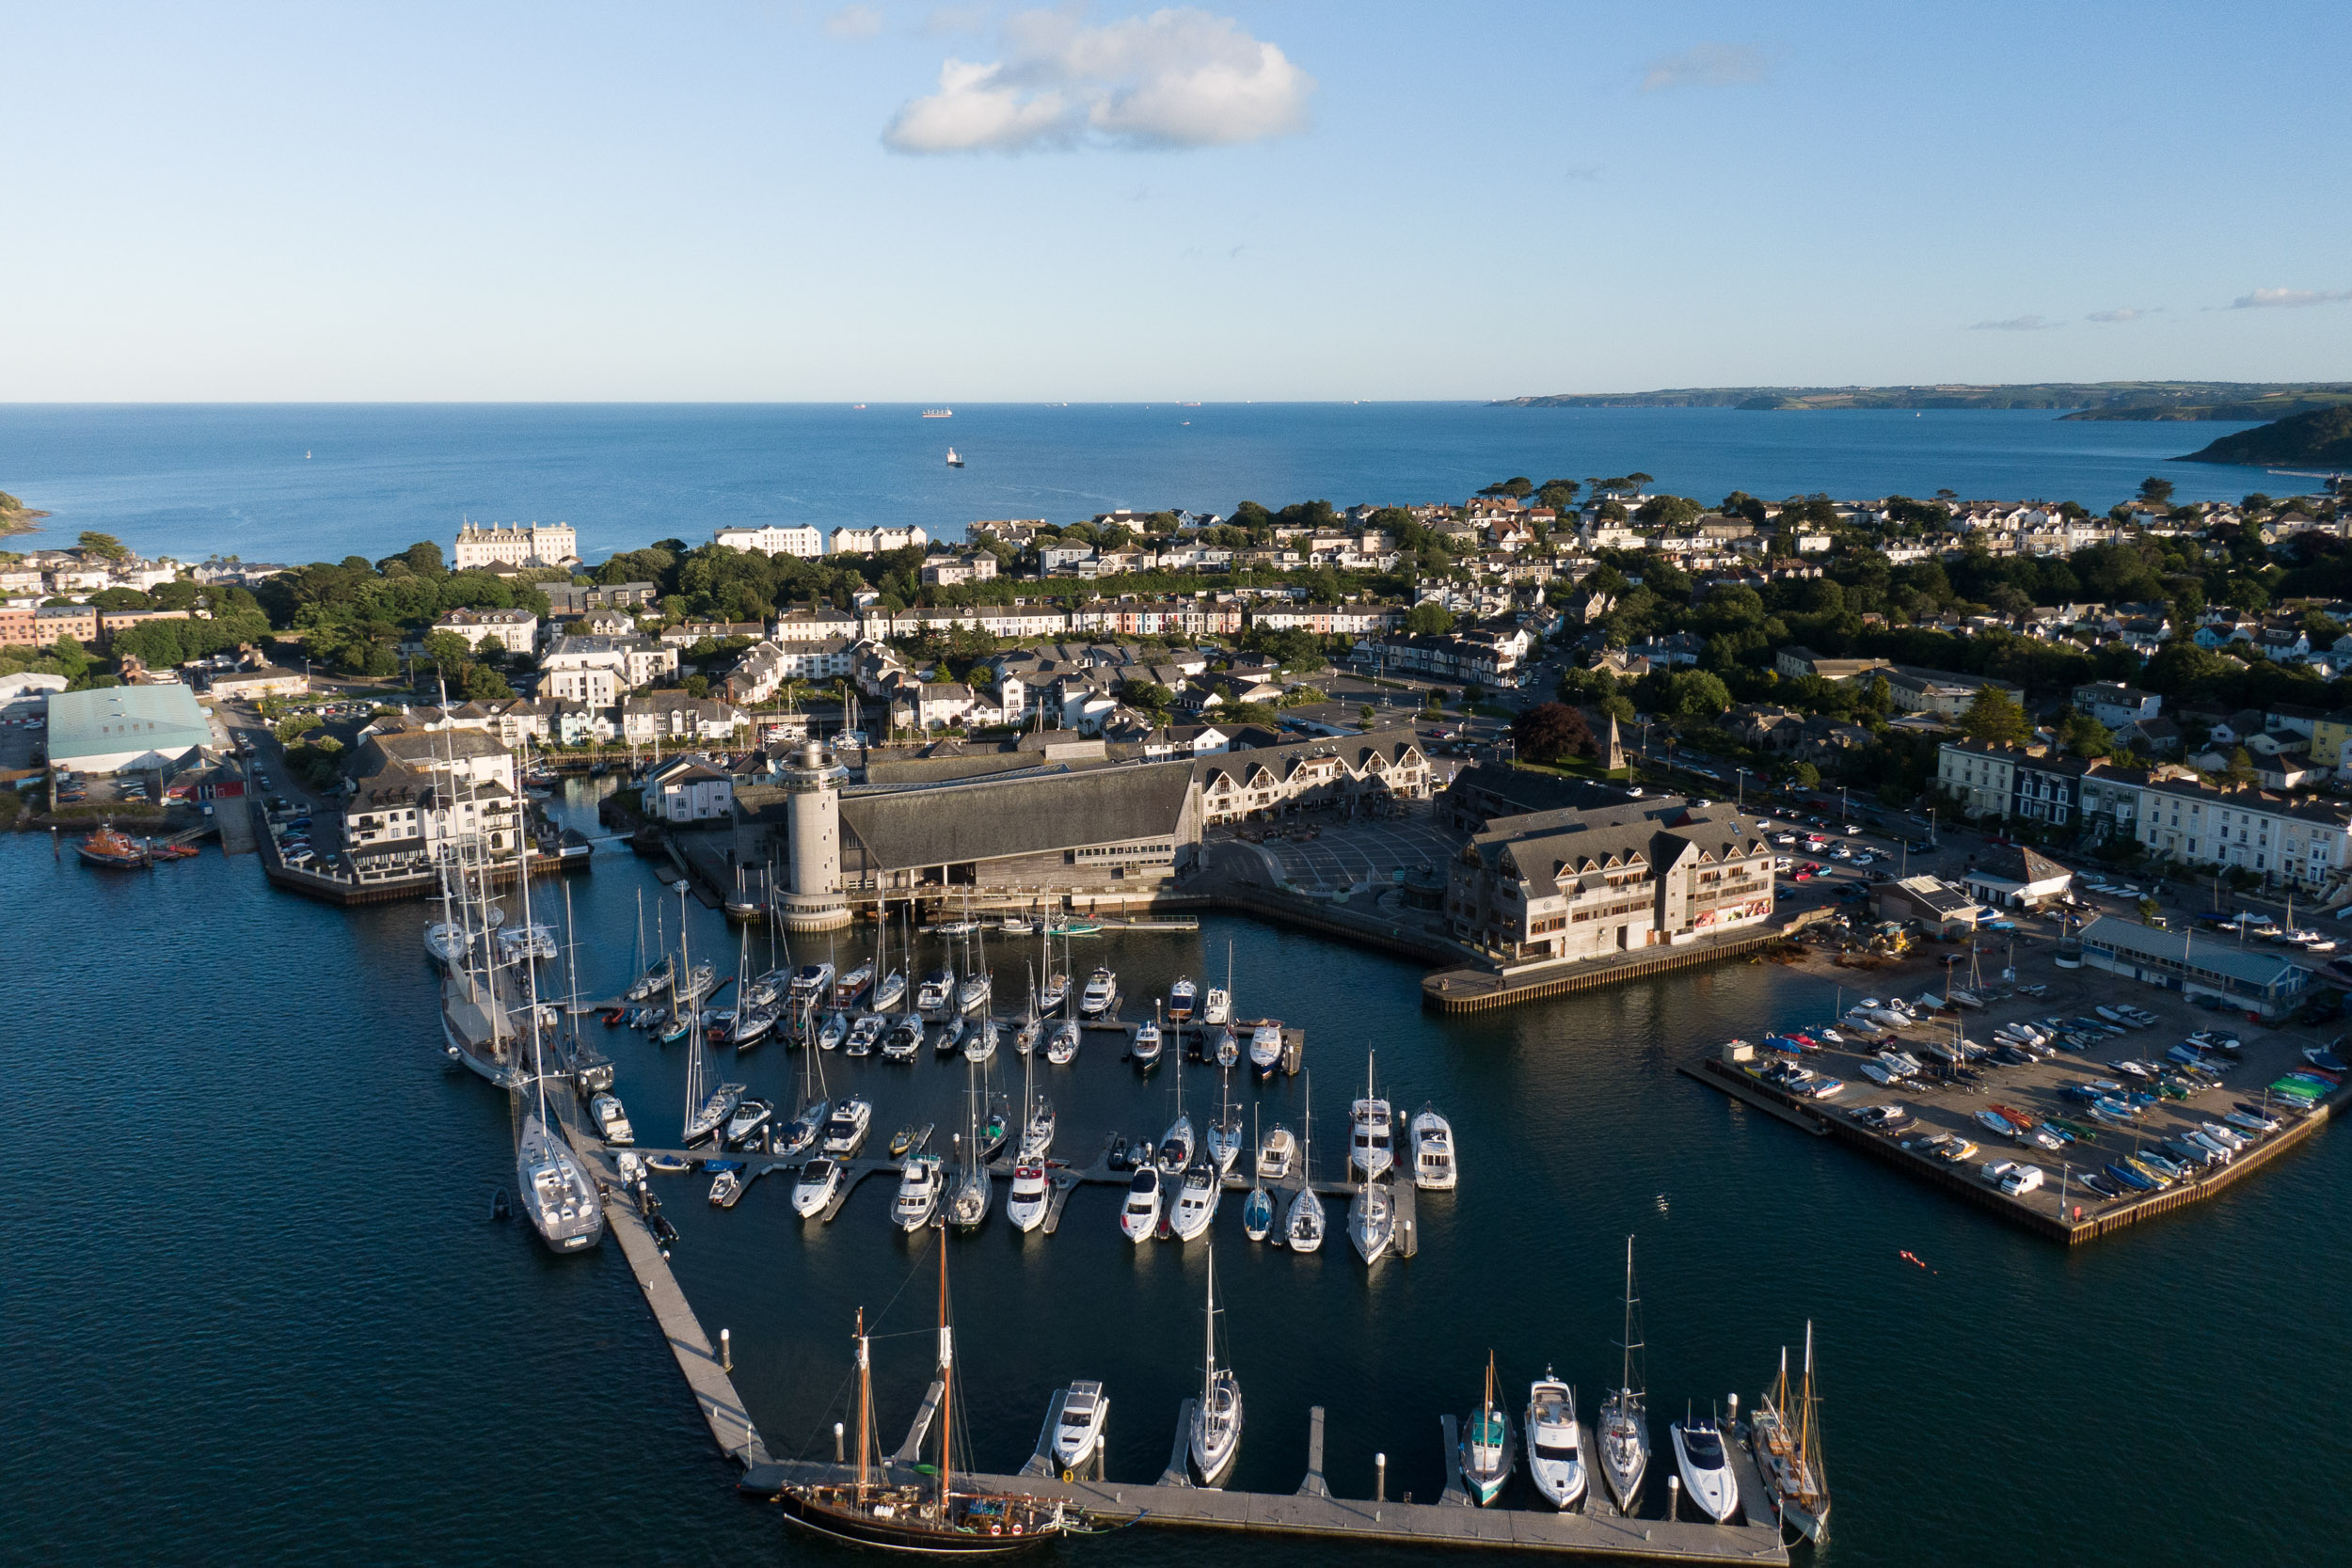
{"type": "Point", "coordinates": [257, 1310]}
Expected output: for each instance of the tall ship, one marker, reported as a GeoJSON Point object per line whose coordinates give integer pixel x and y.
{"type": "Point", "coordinates": [559, 1197]}
{"type": "Point", "coordinates": [925, 1513]}
{"type": "Point", "coordinates": [1785, 1434]}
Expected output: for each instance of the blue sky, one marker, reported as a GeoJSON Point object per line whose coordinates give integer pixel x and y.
{"type": "Point", "coordinates": [886, 202]}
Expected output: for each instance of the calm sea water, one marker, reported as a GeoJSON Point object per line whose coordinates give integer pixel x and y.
{"type": "Point", "coordinates": [321, 481]}
{"type": "Point", "coordinates": [256, 1313]}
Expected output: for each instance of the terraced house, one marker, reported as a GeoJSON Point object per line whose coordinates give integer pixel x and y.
{"type": "Point", "coordinates": [1386, 763]}
{"type": "Point", "coordinates": [2188, 821]}
{"type": "Point", "coordinates": [1583, 884]}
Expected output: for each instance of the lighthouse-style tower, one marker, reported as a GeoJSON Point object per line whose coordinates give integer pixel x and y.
{"type": "Point", "coordinates": [814, 900]}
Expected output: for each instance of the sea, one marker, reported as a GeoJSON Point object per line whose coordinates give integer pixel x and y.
{"type": "Point", "coordinates": [319, 482]}
{"type": "Point", "coordinates": [256, 1309]}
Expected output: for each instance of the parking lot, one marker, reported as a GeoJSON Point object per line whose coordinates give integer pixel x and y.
{"type": "Point", "coordinates": [1322, 850]}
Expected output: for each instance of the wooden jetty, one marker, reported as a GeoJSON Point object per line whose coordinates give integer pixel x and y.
{"type": "Point", "coordinates": [1174, 1500]}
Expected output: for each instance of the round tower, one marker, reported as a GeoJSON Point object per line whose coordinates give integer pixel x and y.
{"type": "Point", "coordinates": [814, 900]}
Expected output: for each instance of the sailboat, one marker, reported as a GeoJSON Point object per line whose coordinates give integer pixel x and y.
{"type": "Point", "coordinates": [558, 1197]}
{"type": "Point", "coordinates": [1486, 1457]}
{"type": "Point", "coordinates": [979, 984]}
{"type": "Point", "coordinates": [476, 1030]}
{"type": "Point", "coordinates": [1304, 1228]}
{"type": "Point", "coordinates": [1215, 1437]}
{"type": "Point", "coordinates": [1037, 1129]}
{"type": "Point", "coordinates": [1257, 1211]}
{"type": "Point", "coordinates": [801, 1133]}
{"type": "Point", "coordinates": [968, 1205]}
{"type": "Point", "coordinates": [1624, 1419]}
{"type": "Point", "coordinates": [1784, 1435]}
{"type": "Point", "coordinates": [892, 983]}
{"type": "Point", "coordinates": [1216, 1008]}
{"type": "Point", "coordinates": [927, 1517]}
{"type": "Point", "coordinates": [1056, 989]}
{"type": "Point", "coordinates": [1224, 1132]}
{"type": "Point", "coordinates": [1177, 1145]}
{"type": "Point", "coordinates": [1372, 1221]}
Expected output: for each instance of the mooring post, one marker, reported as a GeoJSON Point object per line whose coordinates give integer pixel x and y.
{"type": "Point", "coordinates": [1673, 1498]}
{"type": "Point", "coordinates": [726, 1350]}
{"type": "Point", "coordinates": [837, 1454]}
{"type": "Point", "coordinates": [1380, 1477]}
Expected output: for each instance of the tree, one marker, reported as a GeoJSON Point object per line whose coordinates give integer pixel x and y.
{"type": "Point", "coordinates": [2148, 910]}
{"type": "Point", "coordinates": [1549, 731]}
{"type": "Point", "coordinates": [2155, 491]}
{"type": "Point", "coordinates": [1995, 719]}
{"type": "Point", "coordinates": [105, 546]}
{"type": "Point", "coordinates": [698, 686]}
{"type": "Point", "coordinates": [1366, 717]}
{"type": "Point", "coordinates": [2085, 737]}
{"type": "Point", "coordinates": [447, 650]}
{"type": "Point", "coordinates": [482, 684]}
{"type": "Point", "coordinates": [1517, 488]}
{"type": "Point", "coordinates": [1429, 619]}
{"type": "Point", "coordinates": [2241, 768]}
{"type": "Point", "coordinates": [1804, 775]}
{"type": "Point", "coordinates": [1669, 511]}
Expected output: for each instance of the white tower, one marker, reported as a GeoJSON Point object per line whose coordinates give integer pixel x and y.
{"type": "Point", "coordinates": [813, 901]}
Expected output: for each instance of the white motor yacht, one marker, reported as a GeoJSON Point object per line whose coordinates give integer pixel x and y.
{"type": "Point", "coordinates": [1062, 1049]}
{"type": "Point", "coordinates": [918, 1192]}
{"type": "Point", "coordinates": [903, 1040]}
{"type": "Point", "coordinates": [845, 1134]}
{"type": "Point", "coordinates": [612, 1121]}
{"type": "Point", "coordinates": [1181, 997]}
{"type": "Point", "coordinates": [1079, 1433]}
{"type": "Point", "coordinates": [811, 983]}
{"type": "Point", "coordinates": [1372, 1221]}
{"type": "Point", "coordinates": [819, 1179]}
{"type": "Point", "coordinates": [1555, 1450]}
{"type": "Point", "coordinates": [1276, 1153]}
{"type": "Point", "coordinates": [1216, 1006]}
{"type": "Point", "coordinates": [865, 1034]}
{"type": "Point", "coordinates": [1707, 1478]}
{"type": "Point", "coordinates": [1370, 1137]}
{"type": "Point", "coordinates": [1146, 1049]}
{"type": "Point", "coordinates": [1142, 1214]}
{"type": "Point", "coordinates": [1197, 1195]}
{"type": "Point", "coordinates": [932, 996]}
{"type": "Point", "coordinates": [1265, 1047]}
{"type": "Point", "coordinates": [1030, 1194]}
{"type": "Point", "coordinates": [750, 1118]}
{"type": "Point", "coordinates": [1101, 991]}
{"type": "Point", "coordinates": [1433, 1152]}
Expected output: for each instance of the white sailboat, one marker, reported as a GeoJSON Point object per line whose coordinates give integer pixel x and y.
{"type": "Point", "coordinates": [1178, 1143]}
{"type": "Point", "coordinates": [1215, 1437]}
{"type": "Point", "coordinates": [1372, 1221]}
{"type": "Point", "coordinates": [1304, 1227]}
{"type": "Point", "coordinates": [1037, 1126]}
{"type": "Point", "coordinates": [557, 1194]}
{"type": "Point", "coordinates": [1224, 1132]}
{"type": "Point", "coordinates": [967, 1206]}
{"type": "Point", "coordinates": [1063, 1048]}
{"type": "Point", "coordinates": [1623, 1431]}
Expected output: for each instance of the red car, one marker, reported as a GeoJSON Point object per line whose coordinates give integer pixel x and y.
{"type": "Point", "coordinates": [1802, 874]}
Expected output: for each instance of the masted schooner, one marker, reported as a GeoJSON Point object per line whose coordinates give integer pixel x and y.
{"type": "Point", "coordinates": [1785, 1434]}
{"type": "Point", "coordinates": [930, 1515]}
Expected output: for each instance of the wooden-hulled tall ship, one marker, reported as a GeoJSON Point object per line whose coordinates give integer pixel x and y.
{"type": "Point", "coordinates": [928, 1515]}
{"type": "Point", "coordinates": [1785, 1432]}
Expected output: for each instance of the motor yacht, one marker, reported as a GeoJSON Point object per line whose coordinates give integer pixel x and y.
{"type": "Point", "coordinates": [1079, 1433]}
{"type": "Point", "coordinates": [847, 989]}
{"type": "Point", "coordinates": [904, 1039]}
{"type": "Point", "coordinates": [1707, 1478]}
{"type": "Point", "coordinates": [1433, 1152]}
{"type": "Point", "coordinates": [1372, 1221]}
{"type": "Point", "coordinates": [1265, 1047]}
{"type": "Point", "coordinates": [811, 983]}
{"type": "Point", "coordinates": [844, 1133]}
{"type": "Point", "coordinates": [1026, 1201]}
{"type": "Point", "coordinates": [819, 1179]}
{"type": "Point", "coordinates": [1216, 1006]}
{"type": "Point", "coordinates": [865, 1034]}
{"type": "Point", "coordinates": [1181, 997]}
{"type": "Point", "coordinates": [1276, 1153]}
{"type": "Point", "coordinates": [1196, 1196]}
{"type": "Point", "coordinates": [1146, 1049]}
{"type": "Point", "coordinates": [918, 1192]}
{"type": "Point", "coordinates": [1555, 1450]}
{"type": "Point", "coordinates": [1102, 991]}
{"type": "Point", "coordinates": [612, 1121]}
{"type": "Point", "coordinates": [1140, 1216]}
{"type": "Point", "coordinates": [937, 990]}
{"type": "Point", "coordinates": [1371, 1136]}
{"type": "Point", "coordinates": [749, 1120]}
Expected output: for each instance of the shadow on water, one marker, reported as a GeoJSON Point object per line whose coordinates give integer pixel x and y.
{"type": "Point", "coordinates": [254, 1273]}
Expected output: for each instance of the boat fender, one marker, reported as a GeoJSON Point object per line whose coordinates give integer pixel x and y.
{"type": "Point", "coordinates": [1016, 1529]}
{"type": "Point", "coordinates": [996, 1528]}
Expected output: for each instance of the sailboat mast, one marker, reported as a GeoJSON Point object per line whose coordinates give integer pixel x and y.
{"type": "Point", "coordinates": [1208, 1339]}
{"type": "Point", "coordinates": [864, 1403]}
{"type": "Point", "coordinates": [1624, 1378]}
{"type": "Point", "coordinates": [947, 1380]}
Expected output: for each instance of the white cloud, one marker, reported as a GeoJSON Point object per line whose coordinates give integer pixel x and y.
{"type": "Point", "coordinates": [1709, 65]}
{"type": "Point", "coordinates": [2015, 324]}
{"type": "Point", "coordinates": [956, 19]}
{"type": "Point", "coordinates": [1179, 77]}
{"type": "Point", "coordinates": [2124, 314]}
{"type": "Point", "coordinates": [851, 23]}
{"type": "Point", "coordinates": [2262, 298]}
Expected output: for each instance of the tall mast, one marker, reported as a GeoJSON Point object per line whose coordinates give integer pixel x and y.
{"type": "Point", "coordinates": [947, 1379]}
{"type": "Point", "coordinates": [1624, 1383]}
{"type": "Point", "coordinates": [864, 1403]}
{"type": "Point", "coordinates": [1208, 1338]}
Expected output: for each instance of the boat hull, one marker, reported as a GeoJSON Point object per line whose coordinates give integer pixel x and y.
{"type": "Point", "coordinates": [910, 1537]}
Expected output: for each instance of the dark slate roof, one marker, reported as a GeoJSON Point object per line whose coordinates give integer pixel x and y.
{"type": "Point", "coordinates": [1354, 751]}
{"type": "Point", "coordinates": [985, 820]}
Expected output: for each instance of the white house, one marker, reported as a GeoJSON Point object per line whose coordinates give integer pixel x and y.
{"type": "Point", "coordinates": [689, 790]}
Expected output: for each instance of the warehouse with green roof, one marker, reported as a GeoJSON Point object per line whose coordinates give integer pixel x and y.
{"type": "Point", "coordinates": [126, 729]}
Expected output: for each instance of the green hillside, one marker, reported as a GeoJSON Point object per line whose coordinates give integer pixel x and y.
{"type": "Point", "coordinates": [2321, 437]}
{"type": "Point", "coordinates": [2086, 399]}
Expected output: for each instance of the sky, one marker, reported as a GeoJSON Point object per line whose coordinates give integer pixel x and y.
{"type": "Point", "coordinates": [1105, 202]}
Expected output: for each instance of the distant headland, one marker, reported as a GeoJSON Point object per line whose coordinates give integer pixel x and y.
{"type": "Point", "coordinates": [2086, 399]}
{"type": "Point", "coordinates": [2321, 437]}
{"type": "Point", "coordinates": [16, 518]}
